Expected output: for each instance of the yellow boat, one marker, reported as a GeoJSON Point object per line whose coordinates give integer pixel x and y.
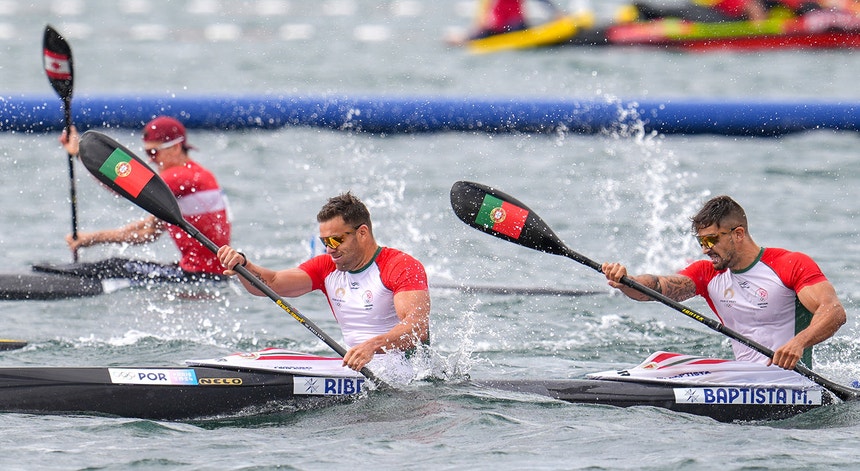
{"type": "Point", "coordinates": [547, 34]}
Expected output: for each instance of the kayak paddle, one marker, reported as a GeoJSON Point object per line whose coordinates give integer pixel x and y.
{"type": "Point", "coordinates": [57, 59]}
{"type": "Point", "coordinates": [499, 214]}
{"type": "Point", "coordinates": [122, 171]}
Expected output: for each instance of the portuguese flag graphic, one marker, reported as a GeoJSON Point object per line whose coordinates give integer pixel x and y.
{"type": "Point", "coordinates": [126, 172]}
{"type": "Point", "coordinates": [502, 217]}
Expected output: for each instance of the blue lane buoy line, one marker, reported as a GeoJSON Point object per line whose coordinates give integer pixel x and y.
{"type": "Point", "coordinates": [381, 114]}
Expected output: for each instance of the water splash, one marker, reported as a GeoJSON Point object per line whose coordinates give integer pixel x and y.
{"type": "Point", "coordinates": [649, 183]}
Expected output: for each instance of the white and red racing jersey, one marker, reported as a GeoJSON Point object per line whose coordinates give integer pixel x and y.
{"type": "Point", "coordinates": [362, 301]}
{"type": "Point", "coordinates": [203, 204]}
{"type": "Point", "coordinates": [760, 302]}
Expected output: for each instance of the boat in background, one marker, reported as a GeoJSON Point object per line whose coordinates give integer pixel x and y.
{"type": "Point", "coordinates": [275, 380]}
{"type": "Point", "coordinates": [48, 281]}
{"type": "Point", "coordinates": [821, 29]}
{"type": "Point", "coordinates": [551, 33]}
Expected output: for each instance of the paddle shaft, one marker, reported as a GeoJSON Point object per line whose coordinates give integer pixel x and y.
{"type": "Point", "coordinates": [73, 195]}
{"type": "Point", "coordinates": [200, 237]}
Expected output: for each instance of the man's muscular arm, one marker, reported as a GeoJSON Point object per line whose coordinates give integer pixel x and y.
{"type": "Point", "coordinates": [676, 287]}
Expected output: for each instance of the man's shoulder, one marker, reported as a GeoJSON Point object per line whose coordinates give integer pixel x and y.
{"type": "Point", "coordinates": [188, 177]}
{"type": "Point", "coordinates": [321, 264]}
{"type": "Point", "coordinates": [776, 255]}
{"type": "Point", "coordinates": [401, 271]}
{"type": "Point", "coordinates": [190, 167]}
{"type": "Point", "coordinates": [392, 255]}
{"type": "Point", "coordinates": [699, 266]}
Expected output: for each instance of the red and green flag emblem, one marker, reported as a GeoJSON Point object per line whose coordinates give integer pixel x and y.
{"type": "Point", "coordinates": [502, 217]}
{"type": "Point", "coordinates": [126, 172]}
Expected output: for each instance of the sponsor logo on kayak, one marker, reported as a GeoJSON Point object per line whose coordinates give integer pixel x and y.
{"type": "Point", "coordinates": [152, 376]}
{"type": "Point", "coordinates": [220, 381]}
{"type": "Point", "coordinates": [753, 396]}
{"type": "Point", "coordinates": [320, 386]}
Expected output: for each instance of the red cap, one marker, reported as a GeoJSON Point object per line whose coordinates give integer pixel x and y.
{"type": "Point", "coordinates": [164, 129]}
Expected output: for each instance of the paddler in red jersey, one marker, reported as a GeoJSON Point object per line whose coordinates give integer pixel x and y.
{"type": "Point", "coordinates": [200, 198]}
{"type": "Point", "coordinates": [777, 298]}
{"type": "Point", "coordinates": [504, 16]}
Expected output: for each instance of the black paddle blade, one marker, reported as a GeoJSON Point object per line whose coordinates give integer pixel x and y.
{"type": "Point", "coordinates": [499, 214]}
{"type": "Point", "coordinates": [496, 213]}
{"type": "Point", "coordinates": [57, 59]}
{"type": "Point", "coordinates": [122, 171]}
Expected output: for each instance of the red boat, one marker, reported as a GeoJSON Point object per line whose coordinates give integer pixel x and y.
{"type": "Point", "coordinates": [823, 29]}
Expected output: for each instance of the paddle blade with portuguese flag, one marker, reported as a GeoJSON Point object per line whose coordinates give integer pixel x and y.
{"type": "Point", "coordinates": [57, 59]}
{"type": "Point", "coordinates": [122, 171]}
{"type": "Point", "coordinates": [496, 213]}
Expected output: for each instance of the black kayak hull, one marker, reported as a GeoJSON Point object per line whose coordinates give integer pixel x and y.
{"type": "Point", "coordinates": [46, 286]}
{"type": "Point", "coordinates": [172, 393]}
{"type": "Point", "coordinates": [50, 281]}
{"type": "Point", "coordinates": [722, 403]}
{"type": "Point", "coordinates": [198, 392]}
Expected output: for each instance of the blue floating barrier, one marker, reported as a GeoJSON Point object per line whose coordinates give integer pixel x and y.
{"type": "Point", "coordinates": [382, 114]}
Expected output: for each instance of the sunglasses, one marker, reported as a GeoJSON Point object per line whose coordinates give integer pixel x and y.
{"type": "Point", "coordinates": [153, 151]}
{"type": "Point", "coordinates": [334, 242]}
{"type": "Point", "coordinates": [708, 241]}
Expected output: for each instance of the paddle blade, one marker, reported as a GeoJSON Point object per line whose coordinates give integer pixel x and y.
{"type": "Point", "coordinates": [57, 59]}
{"type": "Point", "coordinates": [122, 171]}
{"type": "Point", "coordinates": [494, 212]}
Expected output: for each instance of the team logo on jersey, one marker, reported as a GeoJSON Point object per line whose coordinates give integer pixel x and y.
{"type": "Point", "coordinates": [762, 294]}
{"type": "Point", "coordinates": [729, 293]}
{"type": "Point", "coordinates": [367, 297]}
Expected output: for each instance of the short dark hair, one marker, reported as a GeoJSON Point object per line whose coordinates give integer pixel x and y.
{"type": "Point", "coordinates": [722, 211]}
{"type": "Point", "coordinates": [347, 206]}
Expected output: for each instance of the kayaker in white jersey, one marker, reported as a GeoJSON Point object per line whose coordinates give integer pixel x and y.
{"type": "Point", "coordinates": [379, 295]}
{"type": "Point", "coordinates": [777, 298]}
